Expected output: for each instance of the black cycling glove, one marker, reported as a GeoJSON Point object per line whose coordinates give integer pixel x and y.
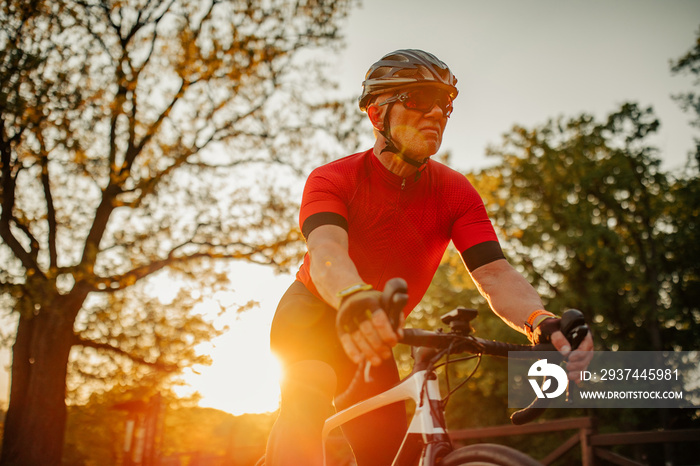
{"type": "Point", "coordinates": [356, 308]}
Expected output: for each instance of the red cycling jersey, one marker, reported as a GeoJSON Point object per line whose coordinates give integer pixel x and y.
{"type": "Point", "coordinates": [397, 227]}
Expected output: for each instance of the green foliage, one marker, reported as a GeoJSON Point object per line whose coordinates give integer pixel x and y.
{"type": "Point", "coordinates": [586, 213]}
{"type": "Point", "coordinates": [690, 101]}
{"type": "Point", "coordinates": [683, 247]}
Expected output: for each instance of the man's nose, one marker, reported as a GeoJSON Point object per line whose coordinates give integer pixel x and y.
{"type": "Point", "coordinates": [435, 111]}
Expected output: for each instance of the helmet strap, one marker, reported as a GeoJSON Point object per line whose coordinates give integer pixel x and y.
{"type": "Point", "coordinates": [390, 146]}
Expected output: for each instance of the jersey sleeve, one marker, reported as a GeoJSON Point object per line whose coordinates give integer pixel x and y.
{"type": "Point", "coordinates": [472, 232]}
{"type": "Point", "coordinates": [322, 204]}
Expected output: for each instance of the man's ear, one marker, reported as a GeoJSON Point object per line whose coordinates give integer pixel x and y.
{"type": "Point", "coordinates": [376, 116]}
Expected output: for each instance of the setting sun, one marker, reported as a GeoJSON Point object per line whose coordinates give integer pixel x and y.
{"type": "Point", "coordinates": [244, 375]}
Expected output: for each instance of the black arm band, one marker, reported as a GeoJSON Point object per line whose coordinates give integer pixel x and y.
{"type": "Point", "coordinates": [322, 218]}
{"type": "Point", "coordinates": [482, 254]}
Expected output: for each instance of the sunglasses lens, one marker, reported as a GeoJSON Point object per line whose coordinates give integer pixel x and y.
{"type": "Point", "coordinates": [424, 100]}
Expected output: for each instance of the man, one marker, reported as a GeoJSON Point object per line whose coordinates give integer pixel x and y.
{"type": "Point", "coordinates": [388, 212]}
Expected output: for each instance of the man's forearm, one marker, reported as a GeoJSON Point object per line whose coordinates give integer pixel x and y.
{"type": "Point", "coordinates": [331, 273]}
{"type": "Point", "coordinates": [331, 269]}
{"type": "Point", "coordinates": [508, 293]}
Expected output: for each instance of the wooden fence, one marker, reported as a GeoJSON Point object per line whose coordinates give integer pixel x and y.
{"type": "Point", "coordinates": [592, 444]}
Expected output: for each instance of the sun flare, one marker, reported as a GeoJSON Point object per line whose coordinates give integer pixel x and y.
{"type": "Point", "coordinates": [244, 375]}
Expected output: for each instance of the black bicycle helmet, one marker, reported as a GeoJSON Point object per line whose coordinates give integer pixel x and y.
{"type": "Point", "coordinates": [399, 70]}
{"type": "Point", "coordinates": [404, 68]}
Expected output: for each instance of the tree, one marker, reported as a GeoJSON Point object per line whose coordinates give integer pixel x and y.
{"type": "Point", "coordinates": [690, 101]}
{"type": "Point", "coordinates": [584, 206]}
{"type": "Point", "coordinates": [684, 267]}
{"type": "Point", "coordinates": [138, 137]}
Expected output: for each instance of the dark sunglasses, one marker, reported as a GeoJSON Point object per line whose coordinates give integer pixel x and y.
{"type": "Point", "coordinates": [423, 100]}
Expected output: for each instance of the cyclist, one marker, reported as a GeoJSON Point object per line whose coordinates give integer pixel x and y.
{"type": "Point", "coordinates": [390, 211]}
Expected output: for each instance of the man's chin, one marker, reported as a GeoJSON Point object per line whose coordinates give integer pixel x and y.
{"type": "Point", "coordinates": [429, 151]}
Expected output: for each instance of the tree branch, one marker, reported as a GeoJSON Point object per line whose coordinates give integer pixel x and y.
{"type": "Point", "coordinates": [9, 183]}
{"type": "Point", "coordinates": [136, 149]}
{"type": "Point", "coordinates": [78, 340]}
{"type": "Point", "coordinates": [212, 251]}
{"type": "Point", "coordinates": [50, 208]}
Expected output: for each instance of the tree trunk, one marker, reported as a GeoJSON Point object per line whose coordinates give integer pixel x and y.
{"type": "Point", "coordinates": [36, 417]}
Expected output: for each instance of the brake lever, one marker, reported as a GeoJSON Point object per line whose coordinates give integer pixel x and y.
{"type": "Point", "coordinates": [573, 326]}
{"type": "Point", "coordinates": [394, 300]}
{"type": "Point", "coordinates": [368, 372]}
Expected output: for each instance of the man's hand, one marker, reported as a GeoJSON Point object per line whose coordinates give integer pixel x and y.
{"type": "Point", "coordinates": [364, 328]}
{"type": "Point", "coordinates": [549, 331]}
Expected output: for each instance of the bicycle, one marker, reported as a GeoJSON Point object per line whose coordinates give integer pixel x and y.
{"type": "Point", "coordinates": [427, 442]}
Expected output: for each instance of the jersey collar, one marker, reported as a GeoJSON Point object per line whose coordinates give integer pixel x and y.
{"type": "Point", "coordinates": [392, 178]}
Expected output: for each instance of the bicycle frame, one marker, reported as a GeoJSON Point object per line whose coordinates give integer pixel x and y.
{"type": "Point", "coordinates": [426, 435]}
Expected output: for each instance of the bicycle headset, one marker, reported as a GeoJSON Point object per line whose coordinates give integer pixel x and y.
{"type": "Point", "coordinates": [398, 70]}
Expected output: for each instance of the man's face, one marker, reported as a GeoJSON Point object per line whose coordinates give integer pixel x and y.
{"type": "Point", "coordinates": [418, 119]}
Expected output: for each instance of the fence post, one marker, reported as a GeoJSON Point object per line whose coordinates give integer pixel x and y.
{"type": "Point", "coordinates": [587, 456]}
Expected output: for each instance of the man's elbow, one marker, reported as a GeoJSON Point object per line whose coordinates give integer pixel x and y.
{"type": "Point", "coordinates": [492, 273]}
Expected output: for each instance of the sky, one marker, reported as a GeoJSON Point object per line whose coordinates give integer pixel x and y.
{"type": "Point", "coordinates": [517, 62]}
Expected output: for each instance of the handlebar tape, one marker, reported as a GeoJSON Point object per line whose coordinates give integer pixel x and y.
{"type": "Point", "coordinates": [532, 412]}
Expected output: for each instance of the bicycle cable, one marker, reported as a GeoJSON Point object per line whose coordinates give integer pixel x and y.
{"type": "Point", "coordinates": [465, 380]}
{"type": "Point", "coordinates": [433, 366]}
{"type": "Point", "coordinates": [430, 368]}
{"type": "Point", "coordinates": [449, 361]}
